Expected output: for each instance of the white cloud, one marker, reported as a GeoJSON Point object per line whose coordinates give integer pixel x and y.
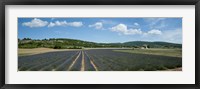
{"type": "Point", "coordinates": [35, 23]}
{"type": "Point", "coordinates": [174, 36]}
{"type": "Point", "coordinates": [51, 24]}
{"type": "Point", "coordinates": [75, 24]}
{"type": "Point", "coordinates": [122, 29]}
{"type": "Point", "coordinates": [136, 24]}
{"type": "Point", "coordinates": [64, 23]}
{"type": "Point", "coordinates": [119, 28]}
{"type": "Point", "coordinates": [154, 32]}
{"type": "Point", "coordinates": [97, 25]}
{"type": "Point", "coordinates": [60, 23]}
{"type": "Point", "coordinates": [133, 31]}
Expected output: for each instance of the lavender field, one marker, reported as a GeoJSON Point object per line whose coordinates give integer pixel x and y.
{"type": "Point", "coordinates": [97, 60]}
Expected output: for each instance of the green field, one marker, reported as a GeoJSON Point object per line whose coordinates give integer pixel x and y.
{"type": "Point", "coordinates": [155, 51]}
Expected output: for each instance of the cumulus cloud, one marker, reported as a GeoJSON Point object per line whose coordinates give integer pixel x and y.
{"type": "Point", "coordinates": [174, 35]}
{"type": "Point", "coordinates": [51, 24]}
{"type": "Point", "coordinates": [97, 25]}
{"type": "Point", "coordinates": [75, 24]}
{"type": "Point", "coordinates": [65, 23]}
{"type": "Point", "coordinates": [35, 23]}
{"type": "Point", "coordinates": [154, 32]}
{"type": "Point", "coordinates": [122, 29]}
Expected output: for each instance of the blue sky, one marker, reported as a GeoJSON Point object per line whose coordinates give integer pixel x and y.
{"type": "Point", "coordinates": [102, 30]}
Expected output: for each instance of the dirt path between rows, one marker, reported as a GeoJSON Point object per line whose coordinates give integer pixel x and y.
{"type": "Point", "coordinates": [83, 62]}
{"type": "Point", "coordinates": [74, 61]}
{"type": "Point", "coordinates": [95, 67]}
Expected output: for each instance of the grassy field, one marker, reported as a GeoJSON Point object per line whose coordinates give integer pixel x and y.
{"type": "Point", "coordinates": [26, 52]}
{"type": "Point", "coordinates": [163, 52]}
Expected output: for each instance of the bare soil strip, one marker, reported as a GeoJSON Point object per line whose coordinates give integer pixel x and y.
{"type": "Point", "coordinates": [67, 60]}
{"type": "Point", "coordinates": [74, 62]}
{"type": "Point", "coordinates": [83, 62]}
{"type": "Point", "coordinates": [95, 67]}
{"type": "Point", "coordinates": [175, 69]}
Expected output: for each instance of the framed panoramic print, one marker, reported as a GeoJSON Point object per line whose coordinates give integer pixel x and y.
{"type": "Point", "coordinates": [100, 44]}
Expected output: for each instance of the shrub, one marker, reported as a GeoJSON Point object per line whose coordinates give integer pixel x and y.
{"type": "Point", "coordinates": [57, 47]}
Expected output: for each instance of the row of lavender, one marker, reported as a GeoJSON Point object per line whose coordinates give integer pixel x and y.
{"type": "Point", "coordinates": [96, 60]}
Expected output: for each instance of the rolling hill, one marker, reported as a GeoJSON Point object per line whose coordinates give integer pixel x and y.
{"type": "Point", "coordinates": [62, 43]}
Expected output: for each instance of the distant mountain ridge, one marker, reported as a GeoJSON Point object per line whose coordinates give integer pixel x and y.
{"type": "Point", "coordinates": [59, 43]}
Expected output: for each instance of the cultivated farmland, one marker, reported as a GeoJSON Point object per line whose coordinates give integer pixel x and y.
{"type": "Point", "coordinates": [97, 60]}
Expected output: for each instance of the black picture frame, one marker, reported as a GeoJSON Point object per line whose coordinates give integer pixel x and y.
{"type": "Point", "coordinates": [99, 2]}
